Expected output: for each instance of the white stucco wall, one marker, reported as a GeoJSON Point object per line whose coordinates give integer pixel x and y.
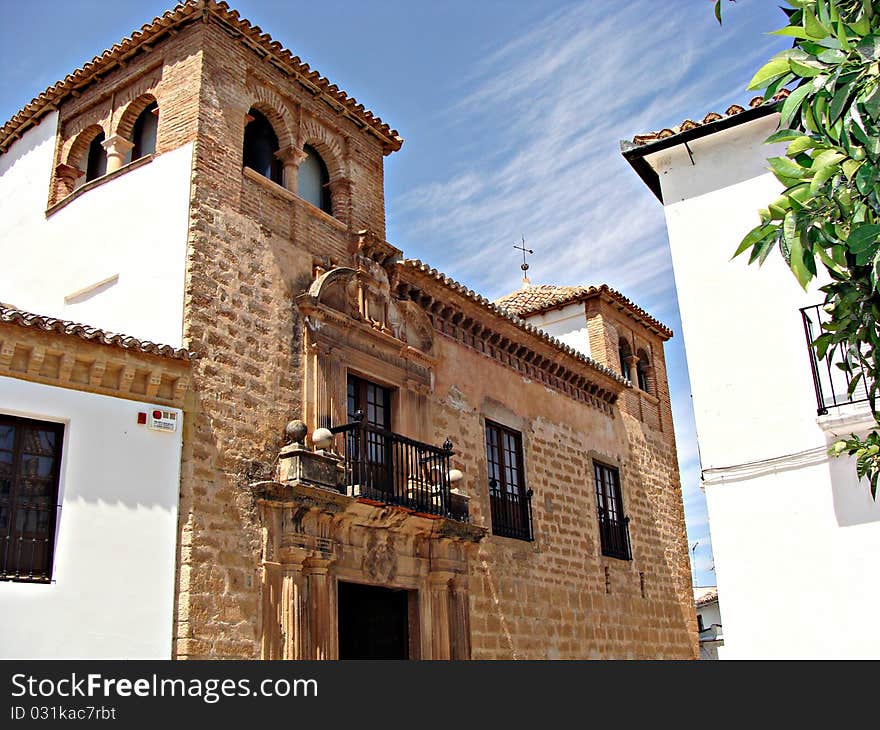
{"type": "Point", "coordinates": [112, 591]}
{"type": "Point", "coordinates": [790, 529]}
{"type": "Point", "coordinates": [568, 324]}
{"type": "Point", "coordinates": [133, 227]}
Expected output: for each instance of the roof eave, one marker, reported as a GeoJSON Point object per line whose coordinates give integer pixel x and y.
{"type": "Point", "coordinates": [635, 153]}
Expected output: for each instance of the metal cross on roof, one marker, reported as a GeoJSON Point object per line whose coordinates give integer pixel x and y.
{"type": "Point", "coordinates": [524, 266]}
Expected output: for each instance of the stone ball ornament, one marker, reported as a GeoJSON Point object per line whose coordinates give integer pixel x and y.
{"type": "Point", "coordinates": [296, 431]}
{"type": "Point", "coordinates": [455, 475]}
{"type": "Point", "coordinates": [322, 438]}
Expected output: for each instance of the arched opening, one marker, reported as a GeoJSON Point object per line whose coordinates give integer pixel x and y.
{"type": "Point", "coordinates": [144, 132]}
{"type": "Point", "coordinates": [624, 352]}
{"type": "Point", "coordinates": [96, 162]}
{"type": "Point", "coordinates": [642, 365]}
{"type": "Point", "coordinates": [314, 180]}
{"type": "Point", "coordinates": [260, 146]}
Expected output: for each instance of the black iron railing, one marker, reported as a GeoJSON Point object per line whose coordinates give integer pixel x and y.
{"type": "Point", "coordinates": [834, 375]}
{"type": "Point", "coordinates": [26, 549]}
{"type": "Point", "coordinates": [511, 512]}
{"type": "Point", "coordinates": [614, 535]}
{"type": "Point", "coordinates": [384, 466]}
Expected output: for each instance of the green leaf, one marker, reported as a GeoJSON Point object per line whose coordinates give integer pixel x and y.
{"type": "Point", "coordinates": [791, 30]}
{"type": "Point", "coordinates": [838, 102]}
{"type": "Point", "coordinates": [813, 27]}
{"type": "Point", "coordinates": [872, 104]}
{"type": "Point", "coordinates": [798, 268]}
{"type": "Point", "coordinates": [792, 104]}
{"type": "Point", "coordinates": [869, 47]}
{"type": "Point", "coordinates": [752, 237]}
{"type": "Point", "coordinates": [800, 144]}
{"type": "Point", "coordinates": [778, 66]}
{"type": "Point", "coordinates": [783, 135]}
{"type": "Point", "coordinates": [850, 167]}
{"type": "Point", "coordinates": [785, 167]}
{"type": "Point", "coordinates": [866, 177]}
{"type": "Point", "coordinates": [718, 11]}
{"type": "Point", "coordinates": [863, 237]}
{"type": "Point", "coordinates": [832, 55]}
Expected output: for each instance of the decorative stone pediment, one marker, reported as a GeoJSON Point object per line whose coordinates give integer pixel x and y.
{"type": "Point", "coordinates": [364, 295]}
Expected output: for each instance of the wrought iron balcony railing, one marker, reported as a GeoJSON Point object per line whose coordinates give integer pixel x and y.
{"type": "Point", "coordinates": [386, 467]}
{"type": "Point", "coordinates": [511, 511]}
{"type": "Point", "coordinates": [614, 535]}
{"type": "Point", "coordinates": [833, 375]}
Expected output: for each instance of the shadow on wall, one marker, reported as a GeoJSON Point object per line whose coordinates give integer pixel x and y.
{"type": "Point", "coordinates": [853, 504]}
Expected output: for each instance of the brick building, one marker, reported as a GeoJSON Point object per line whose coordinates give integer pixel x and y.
{"type": "Point", "coordinates": [551, 527]}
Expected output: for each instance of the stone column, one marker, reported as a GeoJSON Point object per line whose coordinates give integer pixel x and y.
{"type": "Point", "coordinates": [340, 199]}
{"type": "Point", "coordinates": [632, 374]}
{"type": "Point", "coordinates": [65, 180]}
{"type": "Point", "coordinates": [291, 157]}
{"type": "Point", "coordinates": [438, 586]}
{"type": "Point", "coordinates": [321, 642]}
{"type": "Point", "coordinates": [117, 148]}
{"type": "Point", "coordinates": [294, 611]}
{"type": "Point", "coordinates": [460, 621]}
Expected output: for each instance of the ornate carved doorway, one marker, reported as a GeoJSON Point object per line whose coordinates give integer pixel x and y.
{"type": "Point", "coordinates": [373, 622]}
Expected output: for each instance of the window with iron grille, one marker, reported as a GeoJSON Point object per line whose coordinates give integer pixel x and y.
{"type": "Point", "coordinates": [613, 523]}
{"type": "Point", "coordinates": [30, 456]}
{"type": "Point", "coordinates": [510, 501]}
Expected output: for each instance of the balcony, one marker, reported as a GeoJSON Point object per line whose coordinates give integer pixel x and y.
{"type": "Point", "coordinates": [614, 534]}
{"type": "Point", "coordinates": [386, 467]}
{"type": "Point", "coordinates": [837, 379]}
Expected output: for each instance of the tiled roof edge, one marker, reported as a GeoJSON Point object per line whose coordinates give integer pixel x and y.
{"type": "Point", "coordinates": [509, 316]}
{"type": "Point", "coordinates": [593, 291]}
{"type": "Point", "coordinates": [689, 124]}
{"type": "Point", "coordinates": [92, 334]}
{"type": "Point", "coordinates": [182, 13]}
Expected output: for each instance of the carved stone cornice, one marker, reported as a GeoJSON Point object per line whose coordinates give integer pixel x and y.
{"type": "Point", "coordinates": [68, 361]}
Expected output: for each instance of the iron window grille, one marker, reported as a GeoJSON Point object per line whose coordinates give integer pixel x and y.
{"type": "Point", "coordinates": [30, 456]}
{"type": "Point", "coordinates": [613, 523]}
{"type": "Point", "coordinates": [510, 501]}
{"type": "Point", "coordinates": [838, 379]}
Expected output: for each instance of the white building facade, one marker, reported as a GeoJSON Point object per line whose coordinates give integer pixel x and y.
{"type": "Point", "coordinates": [787, 521]}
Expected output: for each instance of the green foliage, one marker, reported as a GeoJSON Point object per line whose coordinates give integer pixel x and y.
{"type": "Point", "coordinates": [829, 213]}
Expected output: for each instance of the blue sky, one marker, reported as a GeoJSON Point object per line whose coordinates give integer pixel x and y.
{"type": "Point", "coordinates": [512, 114]}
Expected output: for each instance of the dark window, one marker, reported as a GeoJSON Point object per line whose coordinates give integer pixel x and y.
{"type": "Point", "coordinates": [700, 623]}
{"type": "Point", "coordinates": [313, 182]}
{"type": "Point", "coordinates": [371, 448]}
{"type": "Point", "coordinates": [30, 455]}
{"type": "Point", "coordinates": [613, 524]}
{"type": "Point", "coordinates": [642, 371]}
{"type": "Point", "coordinates": [144, 132]}
{"type": "Point", "coordinates": [510, 502]}
{"type": "Point", "coordinates": [96, 166]}
{"type": "Point", "coordinates": [624, 352]}
{"type": "Point", "coordinates": [372, 399]}
{"type": "Point", "coordinates": [260, 146]}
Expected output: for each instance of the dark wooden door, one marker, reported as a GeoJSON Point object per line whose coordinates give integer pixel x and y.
{"type": "Point", "coordinates": [373, 622]}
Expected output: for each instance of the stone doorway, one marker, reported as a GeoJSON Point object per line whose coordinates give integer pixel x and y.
{"type": "Point", "coordinates": [374, 622]}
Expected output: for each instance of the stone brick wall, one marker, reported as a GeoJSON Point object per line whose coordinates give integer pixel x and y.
{"type": "Point", "coordinates": [548, 599]}
{"type": "Point", "coordinates": [253, 248]}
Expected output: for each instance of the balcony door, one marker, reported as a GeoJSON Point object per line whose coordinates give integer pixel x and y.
{"type": "Point", "coordinates": [371, 446]}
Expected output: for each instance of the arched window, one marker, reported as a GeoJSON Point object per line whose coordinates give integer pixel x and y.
{"type": "Point", "coordinates": [96, 163]}
{"type": "Point", "coordinates": [314, 180]}
{"type": "Point", "coordinates": [144, 132]}
{"type": "Point", "coordinates": [642, 371]}
{"type": "Point", "coordinates": [260, 146]}
{"type": "Point", "coordinates": [624, 352]}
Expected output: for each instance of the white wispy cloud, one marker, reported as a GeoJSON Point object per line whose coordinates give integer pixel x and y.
{"type": "Point", "coordinates": [538, 124]}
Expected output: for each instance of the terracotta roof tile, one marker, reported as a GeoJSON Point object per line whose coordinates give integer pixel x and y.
{"type": "Point", "coordinates": [533, 299]}
{"type": "Point", "coordinates": [648, 137]}
{"type": "Point", "coordinates": [499, 311]}
{"type": "Point", "coordinates": [181, 14]}
{"type": "Point", "coordinates": [93, 334]}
